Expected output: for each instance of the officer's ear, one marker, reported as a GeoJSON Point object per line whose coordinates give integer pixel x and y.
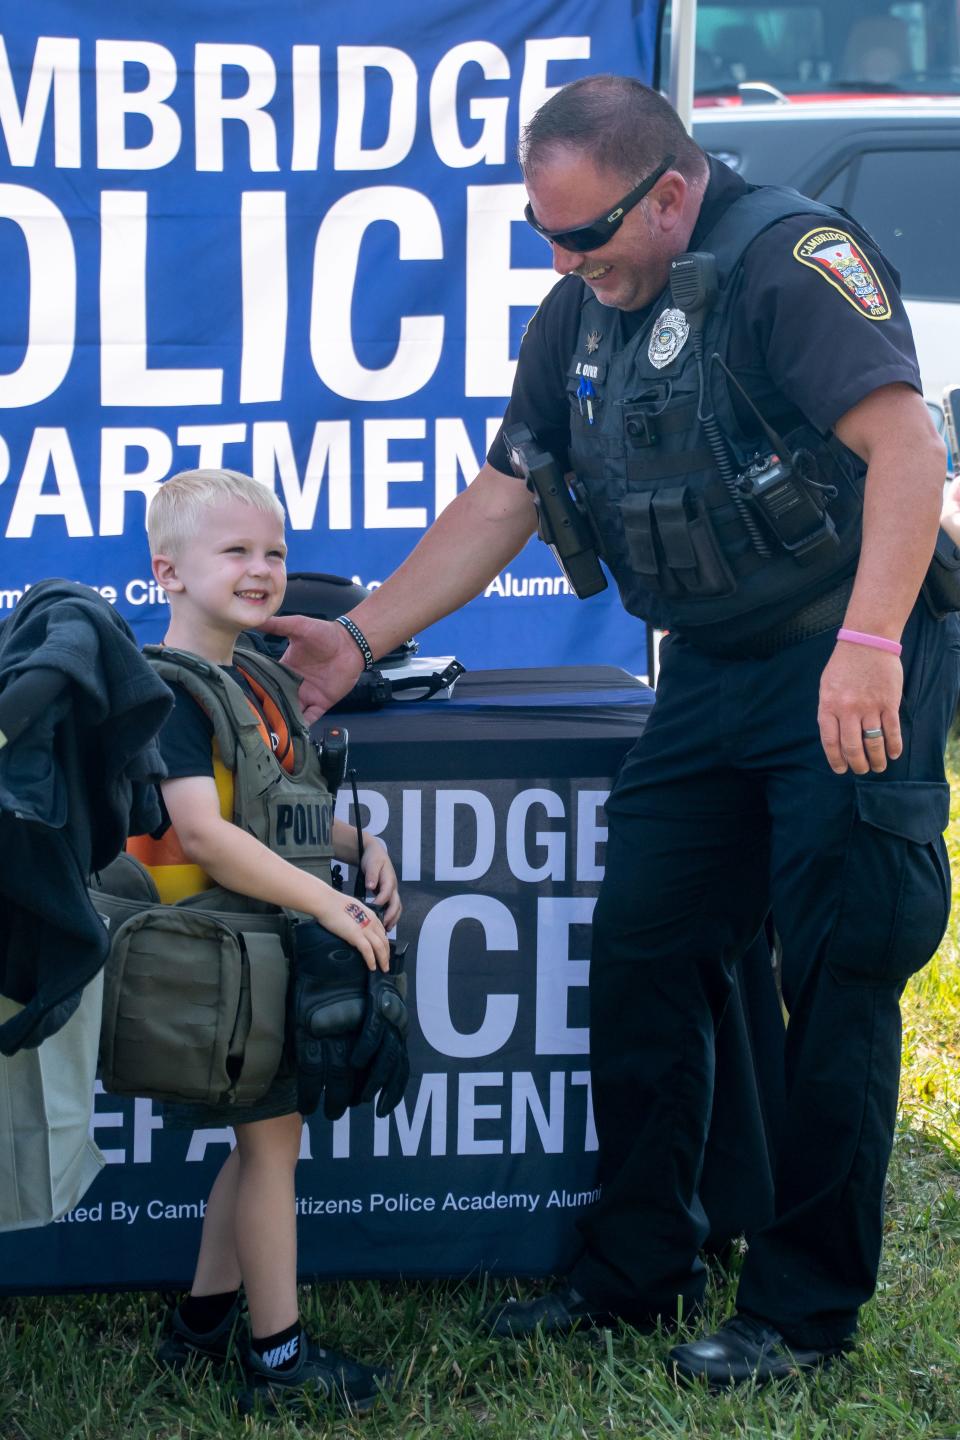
{"type": "Point", "coordinates": [164, 569]}
{"type": "Point", "coordinates": [667, 200]}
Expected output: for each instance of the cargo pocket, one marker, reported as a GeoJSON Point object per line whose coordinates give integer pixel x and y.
{"type": "Point", "coordinates": [172, 990]}
{"type": "Point", "coordinates": [896, 892]}
{"type": "Point", "coordinates": [672, 544]}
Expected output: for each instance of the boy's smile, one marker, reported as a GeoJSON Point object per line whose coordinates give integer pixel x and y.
{"type": "Point", "coordinates": [231, 574]}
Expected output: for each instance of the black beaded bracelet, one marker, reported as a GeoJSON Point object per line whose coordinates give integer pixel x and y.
{"type": "Point", "coordinates": [358, 638]}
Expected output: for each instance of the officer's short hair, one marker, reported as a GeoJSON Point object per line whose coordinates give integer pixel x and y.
{"type": "Point", "coordinates": [178, 503]}
{"type": "Point", "coordinates": [620, 124]}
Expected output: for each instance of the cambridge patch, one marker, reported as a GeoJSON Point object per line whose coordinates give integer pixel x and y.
{"type": "Point", "coordinates": [838, 258]}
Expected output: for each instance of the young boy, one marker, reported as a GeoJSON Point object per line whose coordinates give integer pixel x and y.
{"type": "Point", "coordinates": [217, 546]}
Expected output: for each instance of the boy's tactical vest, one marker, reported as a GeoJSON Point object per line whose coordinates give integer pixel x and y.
{"type": "Point", "coordinates": [195, 992]}
{"type": "Point", "coordinates": [666, 524]}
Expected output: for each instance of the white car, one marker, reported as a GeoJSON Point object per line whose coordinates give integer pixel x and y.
{"type": "Point", "coordinates": [894, 164]}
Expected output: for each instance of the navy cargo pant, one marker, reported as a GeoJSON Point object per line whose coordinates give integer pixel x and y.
{"type": "Point", "coordinates": [725, 807]}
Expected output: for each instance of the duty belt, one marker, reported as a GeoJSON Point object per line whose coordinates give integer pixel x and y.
{"type": "Point", "coordinates": [824, 613]}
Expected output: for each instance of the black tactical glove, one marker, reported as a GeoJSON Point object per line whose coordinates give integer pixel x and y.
{"type": "Point", "coordinates": [380, 1054]}
{"type": "Point", "coordinates": [328, 1005]}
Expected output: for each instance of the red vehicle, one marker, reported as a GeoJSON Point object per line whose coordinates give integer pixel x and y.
{"type": "Point", "coordinates": [771, 51]}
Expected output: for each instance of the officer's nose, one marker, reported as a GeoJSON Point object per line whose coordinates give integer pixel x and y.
{"type": "Point", "coordinates": [566, 261]}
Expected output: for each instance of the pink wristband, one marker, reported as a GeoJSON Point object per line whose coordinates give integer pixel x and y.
{"type": "Point", "coordinates": [876, 642]}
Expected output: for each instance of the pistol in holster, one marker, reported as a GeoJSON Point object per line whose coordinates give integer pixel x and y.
{"type": "Point", "coordinates": [561, 523]}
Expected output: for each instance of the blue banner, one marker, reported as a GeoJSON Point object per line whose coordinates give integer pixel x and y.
{"type": "Point", "coordinates": [287, 239]}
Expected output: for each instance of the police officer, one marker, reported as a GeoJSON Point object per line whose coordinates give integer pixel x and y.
{"type": "Point", "coordinates": [795, 753]}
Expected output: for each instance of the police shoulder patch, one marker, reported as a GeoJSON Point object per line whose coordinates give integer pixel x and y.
{"type": "Point", "coordinates": [839, 259]}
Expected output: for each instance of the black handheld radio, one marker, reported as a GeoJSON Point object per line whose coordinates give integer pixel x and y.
{"type": "Point", "coordinates": [785, 488]}
{"type": "Point", "coordinates": [334, 748]}
{"type": "Point", "coordinates": [780, 488]}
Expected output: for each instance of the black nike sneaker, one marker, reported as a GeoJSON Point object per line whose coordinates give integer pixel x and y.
{"type": "Point", "coordinates": [183, 1344]}
{"type": "Point", "coordinates": [320, 1375]}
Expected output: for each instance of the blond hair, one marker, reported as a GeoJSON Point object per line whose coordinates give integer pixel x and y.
{"type": "Point", "coordinates": [179, 502]}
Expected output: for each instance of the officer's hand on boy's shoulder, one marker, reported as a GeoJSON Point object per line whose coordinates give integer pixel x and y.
{"type": "Point", "coordinates": [323, 654]}
{"type": "Point", "coordinates": [380, 880]}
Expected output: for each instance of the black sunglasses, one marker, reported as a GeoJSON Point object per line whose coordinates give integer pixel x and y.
{"type": "Point", "coordinates": [598, 232]}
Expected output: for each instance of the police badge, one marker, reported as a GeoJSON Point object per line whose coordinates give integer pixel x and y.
{"type": "Point", "coordinates": [668, 338]}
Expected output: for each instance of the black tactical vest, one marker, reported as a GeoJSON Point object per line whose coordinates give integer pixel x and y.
{"type": "Point", "coordinates": [667, 526]}
{"type": "Point", "coordinates": [290, 812]}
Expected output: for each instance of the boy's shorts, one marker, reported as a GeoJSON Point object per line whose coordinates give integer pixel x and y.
{"type": "Point", "coordinates": [280, 1099]}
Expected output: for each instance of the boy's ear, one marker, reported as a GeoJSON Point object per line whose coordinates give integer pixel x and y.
{"type": "Point", "coordinates": [165, 572]}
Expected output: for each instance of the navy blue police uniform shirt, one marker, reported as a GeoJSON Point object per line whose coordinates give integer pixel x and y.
{"type": "Point", "coordinates": [801, 343]}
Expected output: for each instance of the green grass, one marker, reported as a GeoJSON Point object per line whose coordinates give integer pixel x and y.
{"type": "Point", "coordinates": [81, 1367]}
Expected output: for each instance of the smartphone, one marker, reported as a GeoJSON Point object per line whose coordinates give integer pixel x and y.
{"type": "Point", "coordinates": [951, 415]}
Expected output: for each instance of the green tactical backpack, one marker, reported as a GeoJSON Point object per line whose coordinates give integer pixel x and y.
{"type": "Point", "coordinates": [194, 999]}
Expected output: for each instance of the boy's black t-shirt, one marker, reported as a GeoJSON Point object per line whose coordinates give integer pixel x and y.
{"type": "Point", "coordinates": [186, 740]}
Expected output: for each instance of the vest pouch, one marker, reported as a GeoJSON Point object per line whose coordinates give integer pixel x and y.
{"type": "Point", "coordinates": [172, 998]}
{"type": "Point", "coordinates": [672, 544]}
{"type": "Point", "coordinates": [256, 1053]}
{"type": "Point", "coordinates": [127, 878]}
